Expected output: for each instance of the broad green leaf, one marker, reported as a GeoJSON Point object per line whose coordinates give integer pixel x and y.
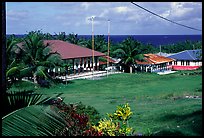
{"type": "Point", "coordinates": [35, 120]}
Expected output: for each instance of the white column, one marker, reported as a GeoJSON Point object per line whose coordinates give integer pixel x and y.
{"type": "Point", "coordinates": [90, 62]}
{"type": "Point", "coordinates": [75, 66]}
{"type": "Point", "coordinates": [97, 61]}
{"type": "Point", "coordinates": [94, 64]}
{"type": "Point", "coordinates": [87, 62]}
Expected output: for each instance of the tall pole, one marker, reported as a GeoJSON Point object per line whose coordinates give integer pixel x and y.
{"type": "Point", "coordinates": [108, 45]}
{"type": "Point", "coordinates": [92, 45]}
{"type": "Point", "coordinates": [160, 50]}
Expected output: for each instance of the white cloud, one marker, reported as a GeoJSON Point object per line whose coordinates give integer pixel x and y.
{"type": "Point", "coordinates": [179, 11]}
{"type": "Point", "coordinates": [104, 13]}
{"type": "Point", "coordinates": [17, 15]}
{"type": "Point", "coordinates": [165, 14]}
{"type": "Point", "coordinates": [85, 5]}
{"type": "Point", "coordinates": [122, 9]}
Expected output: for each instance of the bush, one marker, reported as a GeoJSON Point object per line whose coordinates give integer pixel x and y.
{"type": "Point", "coordinates": [81, 121]}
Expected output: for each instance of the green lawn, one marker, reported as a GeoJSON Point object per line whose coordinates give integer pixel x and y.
{"type": "Point", "coordinates": [157, 102]}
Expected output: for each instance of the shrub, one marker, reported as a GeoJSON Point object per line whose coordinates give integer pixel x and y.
{"type": "Point", "coordinates": [117, 124]}
{"type": "Point", "coordinates": [78, 118]}
{"type": "Point", "coordinates": [81, 121]}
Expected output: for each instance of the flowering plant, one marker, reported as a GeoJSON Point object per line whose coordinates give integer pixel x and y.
{"type": "Point", "coordinates": [117, 125]}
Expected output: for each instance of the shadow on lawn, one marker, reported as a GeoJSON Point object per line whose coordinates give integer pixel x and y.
{"type": "Point", "coordinates": [191, 122]}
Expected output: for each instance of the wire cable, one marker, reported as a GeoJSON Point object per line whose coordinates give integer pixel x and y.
{"type": "Point", "coordinates": [165, 18]}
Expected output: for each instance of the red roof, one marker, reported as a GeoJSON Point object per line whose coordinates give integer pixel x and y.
{"type": "Point", "coordinates": [69, 51]}
{"type": "Point", "coordinates": [154, 59]}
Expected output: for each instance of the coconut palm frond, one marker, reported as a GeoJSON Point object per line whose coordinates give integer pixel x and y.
{"type": "Point", "coordinates": [36, 120]}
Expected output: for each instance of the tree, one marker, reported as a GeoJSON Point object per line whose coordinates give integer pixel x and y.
{"type": "Point", "coordinates": [100, 43]}
{"type": "Point", "coordinates": [38, 56]}
{"type": "Point", "coordinates": [48, 36]}
{"type": "Point", "coordinates": [61, 36]}
{"type": "Point", "coordinates": [13, 62]}
{"type": "Point", "coordinates": [129, 50]}
{"type": "Point", "coordinates": [73, 38]}
{"type": "Point", "coordinates": [147, 48]}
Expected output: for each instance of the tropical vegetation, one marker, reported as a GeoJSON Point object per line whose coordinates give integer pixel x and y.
{"type": "Point", "coordinates": [27, 104]}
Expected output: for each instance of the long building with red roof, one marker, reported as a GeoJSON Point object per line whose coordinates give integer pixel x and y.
{"type": "Point", "coordinates": [71, 51]}
{"type": "Point", "coordinates": [79, 57]}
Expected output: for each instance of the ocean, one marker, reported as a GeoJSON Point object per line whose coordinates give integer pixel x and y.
{"type": "Point", "coordinates": [155, 40]}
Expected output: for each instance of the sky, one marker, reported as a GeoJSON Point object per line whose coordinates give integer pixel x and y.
{"type": "Point", "coordinates": [125, 18]}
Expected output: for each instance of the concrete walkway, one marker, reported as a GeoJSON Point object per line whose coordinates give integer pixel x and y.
{"type": "Point", "coordinates": [166, 72]}
{"type": "Point", "coordinates": [86, 75]}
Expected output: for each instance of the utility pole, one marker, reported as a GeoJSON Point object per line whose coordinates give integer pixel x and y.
{"type": "Point", "coordinates": [160, 50]}
{"type": "Point", "coordinates": [108, 45]}
{"type": "Point", "coordinates": [92, 18]}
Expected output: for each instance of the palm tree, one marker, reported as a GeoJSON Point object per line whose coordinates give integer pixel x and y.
{"type": "Point", "coordinates": [13, 62]}
{"type": "Point", "coordinates": [37, 56]}
{"type": "Point", "coordinates": [129, 50]}
{"type": "Point", "coordinates": [48, 36]}
{"type": "Point", "coordinates": [61, 36]}
{"type": "Point", "coordinates": [100, 43]}
{"type": "Point", "coordinates": [73, 38]}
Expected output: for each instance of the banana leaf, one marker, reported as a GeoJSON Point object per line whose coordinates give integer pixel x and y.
{"type": "Point", "coordinates": [35, 120]}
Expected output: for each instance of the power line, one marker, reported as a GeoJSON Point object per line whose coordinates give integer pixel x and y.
{"type": "Point", "coordinates": [165, 18]}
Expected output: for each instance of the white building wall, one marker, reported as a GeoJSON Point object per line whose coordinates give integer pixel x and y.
{"type": "Point", "coordinates": [192, 63]}
{"type": "Point", "coordinates": [179, 63]}
{"type": "Point", "coordinates": [200, 63]}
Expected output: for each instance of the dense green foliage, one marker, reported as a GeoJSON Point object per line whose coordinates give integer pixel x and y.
{"type": "Point", "coordinates": [181, 46]}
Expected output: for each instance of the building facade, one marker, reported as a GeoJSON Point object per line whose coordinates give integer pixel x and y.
{"type": "Point", "coordinates": [154, 63]}
{"type": "Point", "coordinates": [79, 59]}
{"type": "Point", "coordinates": [187, 60]}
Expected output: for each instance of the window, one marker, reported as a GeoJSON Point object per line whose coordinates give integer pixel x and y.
{"type": "Point", "coordinates": [175, 62]}
{"type": "Point", "coordinates": [170, 63]}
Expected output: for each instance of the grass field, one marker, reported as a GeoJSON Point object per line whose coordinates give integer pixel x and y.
{"type": "Point", "coordinates": [158, 102]}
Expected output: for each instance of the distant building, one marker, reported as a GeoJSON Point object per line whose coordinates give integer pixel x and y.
{"type": "Point", "coordinates": [154, 63]}
{"type": "Point", "coordinates": [79, 57]}
{"type": "Point", "coordinates": [187, 60]}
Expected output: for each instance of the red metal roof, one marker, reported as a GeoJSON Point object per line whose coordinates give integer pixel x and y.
{"type": "Point", "coordinates": [154, 59]}
{"type": "Point", "coordinates": [69, 51]}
